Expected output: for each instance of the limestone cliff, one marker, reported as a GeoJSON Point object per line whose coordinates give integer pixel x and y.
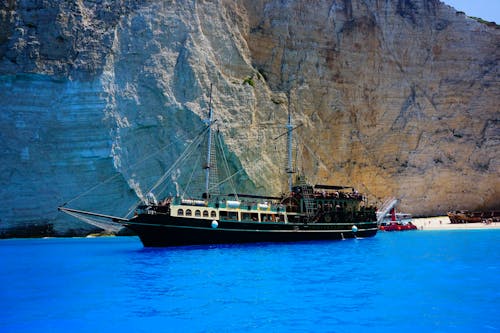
{"type": "Point", "coordinates": [398, 98]}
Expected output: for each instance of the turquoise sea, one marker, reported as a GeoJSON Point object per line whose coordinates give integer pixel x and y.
{"type": "Point", "coordinates": [420, 281]}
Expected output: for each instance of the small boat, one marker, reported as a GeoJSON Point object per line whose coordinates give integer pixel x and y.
{"type": "Point", "coordinates": [306, 213]}
{"type": "Point", "coordinates": [397, 222]}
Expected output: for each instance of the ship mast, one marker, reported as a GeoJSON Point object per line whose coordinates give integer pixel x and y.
{"type": "Point", "coordinates": [289, 127]}
{"type": "Point", "coordinates": [209, 122]}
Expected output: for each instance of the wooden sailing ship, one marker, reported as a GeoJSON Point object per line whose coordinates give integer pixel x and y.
{"type": "Point", "coordinates": [306, 213]}
{"type": "Point", "coordinates": [463, 216]}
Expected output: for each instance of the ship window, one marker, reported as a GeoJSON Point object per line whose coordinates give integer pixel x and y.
{"type": "Point", "coordinates": [188, 212]}
{"type": "Point", "coordinates": [250, 217]}
{"type": "Point", "coordinates": [197, 213]}
{"type": "Point", "coordinates": [213, 214]}
{"type": "Point", "coordinates": [205, 213]}
{"type": "Point", "coordinates": [224, 215]}
{"type": "Point", "coordinates": [180, 212]}
{"type": "Point", "coordinates": [267, 218]}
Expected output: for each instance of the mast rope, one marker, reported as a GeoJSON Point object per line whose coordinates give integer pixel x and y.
{"type": "Point", "coordinates": [118, 173]}
{"type": "Point", "coordinates": [228, 178]}
{"type": "Point", "coordinates": [133, 207]}
{"type": "Point", "coordinates": [186, 154]}
{"type": "Point", "coordinates": [226, 166]}
{"type": "Point", "coordinates": [186, 188]}
{"type": "Point", "coordinates": [159, 190]}
{"type": "Point", "coordinates": [92, 188]}
{"type": "Point", "coordinates": [106, 225]}
{"type": "Point", "coordinates": [183, 156]}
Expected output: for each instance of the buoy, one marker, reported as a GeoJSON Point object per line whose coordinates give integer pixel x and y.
{"type": "Point", "coordinates": [215, 224]}
{"type": "Point", "coordinates": [354, 229]}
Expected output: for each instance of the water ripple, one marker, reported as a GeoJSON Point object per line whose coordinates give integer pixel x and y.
{"type": "Point", "coordinates": [415, 282]}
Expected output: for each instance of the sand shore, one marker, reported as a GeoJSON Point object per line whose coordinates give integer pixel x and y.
{"type": "Point", "coordinates": [443, 223]}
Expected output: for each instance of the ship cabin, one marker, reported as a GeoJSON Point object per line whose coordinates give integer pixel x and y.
{"type": "Point", "coordinates": [329, 197]}
{"type": "Point", "coordinates": [240, 209]}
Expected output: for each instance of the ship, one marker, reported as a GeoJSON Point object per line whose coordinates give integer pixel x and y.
{"type": "Point", "coordinates": [463, 216]}
{"type": "Point", "coordinates": [305, 212]}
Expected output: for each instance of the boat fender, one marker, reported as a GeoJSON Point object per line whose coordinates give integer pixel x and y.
{"type": "Point", "coordinates": [215, 224]}
{"type": "Point", "coordinates": [354, 229]}
{"type": "Point", "coordinates": [233, 204]}
{"type": "Point", "coordinates": [263, 206]}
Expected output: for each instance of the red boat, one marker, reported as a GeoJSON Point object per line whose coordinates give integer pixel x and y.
{"type": "Point", "coordinates": [395, 226]}
{"type": "Point", "coordinates": [397, 222]}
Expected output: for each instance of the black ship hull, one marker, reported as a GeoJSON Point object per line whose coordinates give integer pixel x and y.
{"type": "Point", "coordinates": [162, 231]}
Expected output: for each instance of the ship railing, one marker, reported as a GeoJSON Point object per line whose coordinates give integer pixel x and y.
{"type": "Point", "coordinates": [252, 206]}
{"type": "Point", "coordinates": [265, 206]}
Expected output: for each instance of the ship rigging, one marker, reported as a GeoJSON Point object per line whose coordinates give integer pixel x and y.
{"type": "Point", "coordinates": [307, 212]}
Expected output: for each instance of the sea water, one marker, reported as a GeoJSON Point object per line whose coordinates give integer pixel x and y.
{"type": "Point", "coordinates": [417, 281]}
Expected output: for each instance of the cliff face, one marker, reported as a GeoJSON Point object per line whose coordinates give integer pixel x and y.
{"type": "Point", "coordinates": [398, 98]}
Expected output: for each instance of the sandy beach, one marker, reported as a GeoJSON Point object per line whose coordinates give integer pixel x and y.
{"type": "Point", "coordinates": [443, 223]}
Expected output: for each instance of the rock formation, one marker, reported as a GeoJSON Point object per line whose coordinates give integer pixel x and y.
{"type": "Point", "coordinates": [398, 98]}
